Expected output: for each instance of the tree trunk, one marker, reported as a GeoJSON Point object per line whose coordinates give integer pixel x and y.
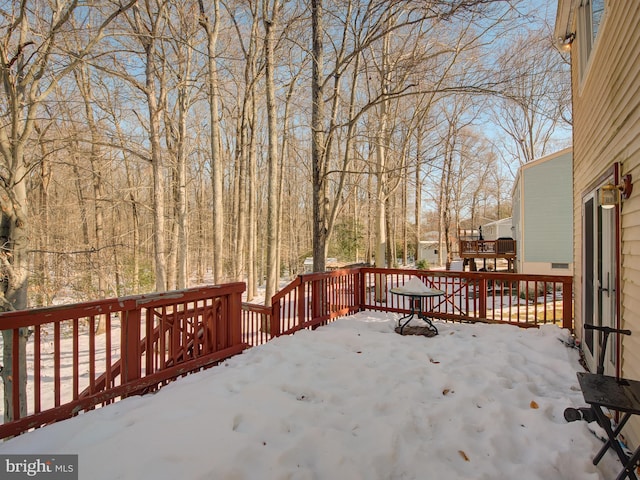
{"type": "Point", "coordinates": [382, 142]}
{"type": "Point", "coordinates": [41, 259]}
{"type": "Point", "coordinates": [83, 81]}
{"type": "Point", "coordinates": [87, 273]}
{"type": "Point", "coordinates": [252, 228]}
{"type": "Point", "coordinates": [13, 236]}
{"type": "Point", "coordinates": [405, 216]}
{"type": "Point", "coordinates": [211, 28]}
{"type": "Point", "coordinates": [154, 87]}
{"type": "Point", "coordinates": [182, 245]}
{"type": "Point", "coordinates": [317, 140]}
{"type": "Point", "coordinates": [418, 204]}
{"type": "Point", "coordinates": [272, 155]}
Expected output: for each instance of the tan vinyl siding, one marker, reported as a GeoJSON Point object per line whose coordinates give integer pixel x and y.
{"type": "Point", "coordinates": [630, 307]}
{"type": "Point", "coordinates": [607, 130]}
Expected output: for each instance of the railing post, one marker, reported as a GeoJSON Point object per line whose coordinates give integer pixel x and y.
{"type": "Point", "coordinates": [235, 318]}
{"type": "Point", "coordinates": [16, 376]}
{"type": "Point", "coordinates": [301, 302]}
{"type": "Point", "coordinates": [358, 290]}
{"type": "Point", "coordinates": [130, 345]}
{"type": "Point", "coordinates": [482, 306]}
{"type": "Point", "coordinates": [274, 325]}
{"type": "Point", "coordinates": [316, 299]}
{"type": "Point", "coordinates": [363, 289]}
{"type": "Point", "coordinates": [380, 281]}
{"type": "Point", "coordinates": [567, 304]}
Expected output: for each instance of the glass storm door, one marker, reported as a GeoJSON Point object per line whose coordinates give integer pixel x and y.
{"type": "Point", "coordinates": [599, 279]}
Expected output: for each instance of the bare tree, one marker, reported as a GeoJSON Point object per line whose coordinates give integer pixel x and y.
{"type": "Point", "coordinates": [81, 75]}
{"type": "Point", "coordinates": [211, 27]}
{"type": "Point", "coordinates": [320, 229]}
{"type": "Point", "coordinates": [534, 102]}
{"type": "Point", "coordinates": [246, 182]}
{"type": "Point", "coordinates": [30, 71]}
{"type": "Point", "coordinates": [180, 91]}
{"type": "Point", "coordinates": [364, 24]}
{"type": "Point", "coordinates": [271, 11]}
{"type": "Point", "coordinates": [147, 27]}
{"type": "Point", "coordinates": [181, 44]}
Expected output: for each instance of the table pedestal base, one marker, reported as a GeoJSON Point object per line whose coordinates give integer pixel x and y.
{"type": "Point", "coordinates": [404, 321]}
{"type": "Point", "coordinates": [416, 330]}
{"type": "Point", "coordinates": [415, 304]}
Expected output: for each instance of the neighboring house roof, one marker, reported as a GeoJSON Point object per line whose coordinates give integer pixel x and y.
{"type": "Point", "coordinates": [432, 235]}
{"type": "Point", "coordinates": [502, 221]}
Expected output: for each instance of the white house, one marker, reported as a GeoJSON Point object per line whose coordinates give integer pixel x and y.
{"type": "Point", "coordinates": [429, 251]}
{"type": "Point", "coordinates": [542, 215]}
{"type": "Point", "coordinates": [497, 229]}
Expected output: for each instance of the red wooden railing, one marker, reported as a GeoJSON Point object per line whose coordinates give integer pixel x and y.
{"type": "Point", "coordinates": [309, 301]}
{"type": "Point", "coordinates": [315, 299]}
{"type": "Point", "coordinates": [147, 341]}
{"type": "Point", "coordinates": [523, 300]}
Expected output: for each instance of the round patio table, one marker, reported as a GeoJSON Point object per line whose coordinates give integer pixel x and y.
{"type": "Point", "coordinates": [415, 304]}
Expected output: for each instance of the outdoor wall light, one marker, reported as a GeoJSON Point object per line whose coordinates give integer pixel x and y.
{"type": "Point", "coordinates": [610, 194]}
{"type": "Point", "coordinates": [564, 44]}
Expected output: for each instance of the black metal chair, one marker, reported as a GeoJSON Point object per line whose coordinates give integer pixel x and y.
{"type": "Point", "coordinates": [601, 391]}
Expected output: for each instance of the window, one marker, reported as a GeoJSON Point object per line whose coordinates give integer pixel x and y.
{"type": "Point", "coordinates": [590, 16]}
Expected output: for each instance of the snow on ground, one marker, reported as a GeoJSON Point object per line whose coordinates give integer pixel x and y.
{"type": "Point", "coordinates": [352, 400]}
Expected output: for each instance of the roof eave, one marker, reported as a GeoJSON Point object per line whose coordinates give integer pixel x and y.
{"type": "Point", "coordinates": [564, 19]}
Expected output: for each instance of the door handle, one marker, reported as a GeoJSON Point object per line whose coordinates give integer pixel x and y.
{"type": "Point", "coordinates": [602, 289]}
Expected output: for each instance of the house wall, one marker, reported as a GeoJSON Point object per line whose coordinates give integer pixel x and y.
{"type": "Point", "coordinates": [429, 252]}
{"type": "Point", "coordinates": [548, 222]}
{"type": "Point", "coordinates": [497, 229]}
{"type": "Point", "coordinates": [542, 215]}
{"type": "Point", "coordinates": [606, 113]}
{"type": "Point", "coordinates": [516, 218]}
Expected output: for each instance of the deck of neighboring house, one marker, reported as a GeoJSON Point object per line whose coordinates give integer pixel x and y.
{"type": "Point", "coordinates": [472, 247]}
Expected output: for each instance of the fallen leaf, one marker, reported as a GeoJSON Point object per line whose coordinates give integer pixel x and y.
{"type": "Point", "coordinates": [447, 391]}
{"type": "Point", "coordinates": [533, 404]}
{"type": "Point", "coordinates": [463, 455]}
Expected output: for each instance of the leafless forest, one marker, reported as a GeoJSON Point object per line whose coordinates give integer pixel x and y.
{"type": "Point", "coordinates": [149, 145]}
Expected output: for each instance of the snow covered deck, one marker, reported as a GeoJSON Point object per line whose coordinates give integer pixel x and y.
{"type": "Point", "coordinates": [72, 365]}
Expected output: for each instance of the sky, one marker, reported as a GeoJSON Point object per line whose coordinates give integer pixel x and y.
{"type": "Point", "coordinates": [351, 400]}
